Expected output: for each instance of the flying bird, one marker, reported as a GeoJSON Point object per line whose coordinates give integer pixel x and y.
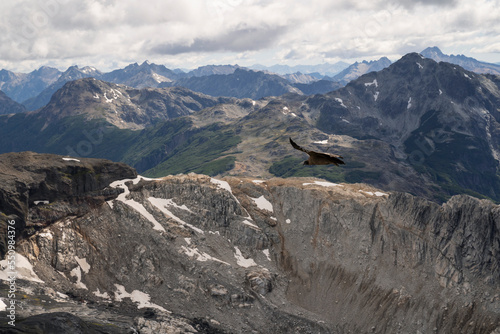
{"type": "Point", "coordinates": [318, 158]}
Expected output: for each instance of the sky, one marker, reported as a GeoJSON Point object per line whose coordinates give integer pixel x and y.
{"type": "Point", "coordinates": [110, 34]}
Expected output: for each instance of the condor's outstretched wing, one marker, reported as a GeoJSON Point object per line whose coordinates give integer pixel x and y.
{"type": "Point", "coordinates": [319, 158]}
{"type": "Point", "coordinates": [297, 147]}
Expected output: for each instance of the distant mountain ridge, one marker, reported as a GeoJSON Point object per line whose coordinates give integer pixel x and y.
{"type": "Point", "coordinates": [22, 86]}
{"type": "Point", "coordinates": [356, 70]}
{"type": "Point", "coordinates": [241, 84]}
{"type": "Point", "coordinates": [468, 63]}
{"type": "Point", "coordinates": [321, 69]}
{"type": "Point", "coordinates": [71, 74]}
{"type": "Point", "coordinates": [213, 69]}
{"type": "Point", "coordinates": [140, 76]}
{"type": "Point", "coordinates": [418, 126]}
{"type": "Point", "coordinates": [34, 89]}
{"type": "Point", "coordinates": [123, 106]}
{"type": "Point", "coordinates": [9, 106]}
{"type": "Point", "coordinates": [231, 81]}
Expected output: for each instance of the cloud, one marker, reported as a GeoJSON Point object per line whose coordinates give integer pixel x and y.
{"type": "Point", "coordinates": [435, 3]}
{"type": "Point", "coordinates": [288, 31]}
{"type": "Point", "coordinates": [238, 40]}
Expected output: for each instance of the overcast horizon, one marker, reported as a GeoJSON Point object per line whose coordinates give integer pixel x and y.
{"type": "Point", "coordinates": [111, 34]}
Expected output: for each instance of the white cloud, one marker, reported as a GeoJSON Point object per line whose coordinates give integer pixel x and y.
{"type": "Point", "coordinates": [190, 33]}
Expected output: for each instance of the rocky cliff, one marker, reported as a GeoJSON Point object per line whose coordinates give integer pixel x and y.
{"type": "Point", "coordinates": [195, 254]}
{"type": "Point", "coordinates": [65, 185]}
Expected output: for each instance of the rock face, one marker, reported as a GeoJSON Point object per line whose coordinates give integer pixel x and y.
{"type": "Point", "coordinates": [9, 106]}
{"type": "Point", "coordinates": [357, 69]}
{"type": "Point", "coordinates": [468, 63]}
{"type": "Point", "coordinates": [124, 107]}
{"type": "Point", "coordinates": [67, 185]}
{"type": "Point", "coordinates": [21, 86]}
{"type": "Point", "coordinates": [241, 84]}
{"type": "Point", "coordinates": [194, 254]}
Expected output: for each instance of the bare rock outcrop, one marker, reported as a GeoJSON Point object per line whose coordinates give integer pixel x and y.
{"type": "Point", "coordinates": [190, 253]}
{"type": "Point", "coordinates": [68, 185]}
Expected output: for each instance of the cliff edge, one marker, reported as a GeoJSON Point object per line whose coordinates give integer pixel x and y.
{"type": "Point", "coordinates": [195, 254]}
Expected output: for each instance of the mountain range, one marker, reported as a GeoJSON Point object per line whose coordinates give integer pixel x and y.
{"type": "Point", "coordinates": [419, 126]}
{"type": "Point", "coordinates": [320, 70]}
{"type": "Point", "coordinates": [34, 89]}
{"type": "Point", "coordinates": [355, 70]}
{"type": "Point", "coordinates": [232, 81]}
{"type": "Point", "coordinates": [166, 210]}
{"type": "Point", "coordinates": [468, 63]}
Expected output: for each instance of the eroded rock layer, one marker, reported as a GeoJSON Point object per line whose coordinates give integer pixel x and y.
{"type": "Point", "coordinates": [195, 254]}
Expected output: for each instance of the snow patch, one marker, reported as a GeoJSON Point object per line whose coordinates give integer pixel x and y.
{"type": "Point", "coordinates": [288, 221]}
{"type": "Point", "coordinates": [107, 99]}
{"type": "Point", "coordinates": [132, 203]}
{"type": "Point", "coordinates": [200, 256]}
{"type": "Point", "coordinates": [252, 225]}
{"type": "Point", "coordinates": [83, 264]}
{"type": "Point", "coordinates": [62, 295]}
{"type": "Point", "coordinates": [76, 272]}
{"type": "Point", "coordinates": [420, 65]}
{"type": "Point", "coordinates": [409, 103]}
{"type": "Point", "coordinates": [440, 92]}
{"type": "Point", "coordinates": [139, 297]}
{"type": "Point", "coordinates": [104, 295]}
{"type": "Point", "coordinates": [46, 235]}
{"type": "Point", "coordinates": [322, 183]}
{"type": "Point", "coordinates": [3, 306]}
{"type": "Point", "coordinates": [242, 262]}
{"type": "Point", "coordinates": [263, 204]}
{"type": "Point", "coordinates": [322, 142]}
{"type": "Point", "coordinates": [114, 97]}
{"type": "Point", "coordinates": [373, 83]}
{"type": "Point", "coordinates": [258, 181]}
{"type": "Point", "coordinates": [162, 204]}
{"type": "Point", "coordinates": [341, 102]}
{"type": "Point", "coordinates": [22, 269]}
{"type": "Point", "coordinates": [286, 111]}
{"type": "Point", "coordinates": [71, 159]}
{"type": "Point", "coordinates": [267, 254]}
{"type": "Point", "coordinates": [375, 96]}
{"type": "Point", "coordinates": [42, 202]}
{"type": "Point", "coordinates": [222, 184]}
{"type": "Point", "coordinates": [376, 193]}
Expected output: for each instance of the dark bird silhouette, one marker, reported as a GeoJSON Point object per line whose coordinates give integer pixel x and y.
{"type": "Point", "coordinates": [318, 158]}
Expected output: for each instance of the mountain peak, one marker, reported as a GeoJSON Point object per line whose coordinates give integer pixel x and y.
{"type": "Point", "coordinates": [467, 63]}
{"type": "Point", "coordinates": [434, 50]}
